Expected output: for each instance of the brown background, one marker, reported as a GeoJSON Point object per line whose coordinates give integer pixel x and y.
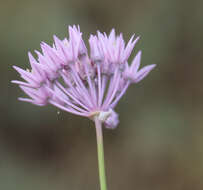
{"type": "Point", "coordinates": [158, 144]}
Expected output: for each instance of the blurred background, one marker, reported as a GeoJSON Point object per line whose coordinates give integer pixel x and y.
{"type": "Point", "coordinates": [158, 144]}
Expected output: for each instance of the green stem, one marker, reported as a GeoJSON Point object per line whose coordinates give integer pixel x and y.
{"type": "Point", "coordinates": [100, 151]}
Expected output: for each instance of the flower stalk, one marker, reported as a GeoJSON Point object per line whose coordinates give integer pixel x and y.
{"type": "Point", "coordinates": [100, 151]}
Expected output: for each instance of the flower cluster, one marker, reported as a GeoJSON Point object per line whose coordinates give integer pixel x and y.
{"type": "Point", "coordinates": [65, 76]}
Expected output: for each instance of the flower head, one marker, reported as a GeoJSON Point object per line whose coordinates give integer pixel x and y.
{"type": "Point", "coordinates": [91, 84]}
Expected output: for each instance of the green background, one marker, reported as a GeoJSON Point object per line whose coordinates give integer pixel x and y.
{"type": "Point", "coordinates": [158, 144]}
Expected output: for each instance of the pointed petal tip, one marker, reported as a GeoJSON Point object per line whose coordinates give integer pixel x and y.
{"type": "Point", "coordinates": [18, 69]}
{"type": "Point", "coordinates": [31, 57]}
{"type": "Point", "coordinates": [113, 30]}
{"type": "Point", "coordinates": [148, 68]}
{"type": "Point", "coordinates": [42, 43]}
{"type": "Point", "coordinates": [21, 99]}
{"type": "Point", "coordinates": [14, 67]}
{"type": "Point", "coordinates": [152, 66]}
{"type": "Point", "coordinates": [135, 40]}
{"type": "Point", "coordinates": [139, 53]}
{"type": "Point", "coordinates": [56, 38]}
{"type": "Point", "coordinates": [141, 74]}
{"type": "Point", "coordinates": [25, 100]}
{"type": "Point", "coordinates": [132, 37]}
{"type": "Point", "coordinates": [136, 62]}
{"type": "Point", "coordinates": [29, 53]}
{"type": "Point", "coordinates": [13, 81]}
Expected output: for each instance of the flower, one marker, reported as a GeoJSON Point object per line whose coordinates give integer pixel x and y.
{"type": "Point", "coordinates": [65, 76]}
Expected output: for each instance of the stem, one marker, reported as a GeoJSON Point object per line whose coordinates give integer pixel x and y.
{"type": "Point", "coordinates": [100, 151]}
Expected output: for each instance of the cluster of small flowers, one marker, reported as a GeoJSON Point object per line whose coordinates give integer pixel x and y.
{"type": "Point", "coordinates": [65, 76]}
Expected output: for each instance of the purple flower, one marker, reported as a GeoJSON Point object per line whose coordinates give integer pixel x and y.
{"type": "Point", "coordinates": [92, 85]}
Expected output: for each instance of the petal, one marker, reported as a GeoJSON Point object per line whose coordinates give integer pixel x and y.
{"type": "Point", "coordinates": [34, 81]}
{"type": "Point", "coordinates": [136, 63]}
{"type": "Point", "coordinates": [112, 36]}
{"type": "Point", "coordinates": [96, 51]}
{"type": "Point", "coordinates": [61, 48]}
{"type": "Point", "coordinates": [129, 48]}
{"type": "Point", "coordinates": [22, 83]}
{"type": "Point", "coordinates": [143, 73]}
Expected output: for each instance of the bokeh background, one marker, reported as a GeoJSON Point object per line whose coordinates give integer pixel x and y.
{"type": "Point", "coordinates": [158, 144]}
